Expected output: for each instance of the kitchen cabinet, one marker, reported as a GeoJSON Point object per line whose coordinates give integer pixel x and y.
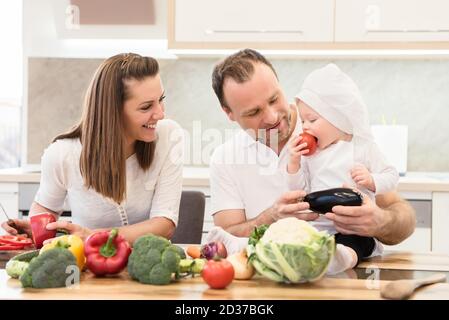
{"type": "Point", "coordinates": [404, 22]}
{"type": "Point", "coordinates": [9, 198]}
{"type": "Point", "coordinates": [250, 23]}
{"type": "Point", "coordinates": [440, 223]}
{"type": "Point", "coordinates": [308, 24]}
{"type": "Point", "coordinates": [421, 239]}
{"type": "Point", "coordinates": [100, 19]}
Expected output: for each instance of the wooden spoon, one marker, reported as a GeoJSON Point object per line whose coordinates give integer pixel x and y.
{"type": "Point", "coordinates": [402, 289]}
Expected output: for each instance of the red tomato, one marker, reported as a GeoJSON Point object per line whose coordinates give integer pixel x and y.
{"type": "Point", "coordinates": [218, 274]}
{"type": "Point", "coordinates": [311, 142]}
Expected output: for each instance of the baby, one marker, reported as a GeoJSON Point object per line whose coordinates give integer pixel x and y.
{"type": "Point", "coordinates": [331, 109]}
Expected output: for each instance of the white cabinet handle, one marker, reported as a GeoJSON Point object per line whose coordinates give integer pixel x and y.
{"type": "Point", "coordinates": [407, 31]}
{"type": "Point", "coordinates": [210, 31]}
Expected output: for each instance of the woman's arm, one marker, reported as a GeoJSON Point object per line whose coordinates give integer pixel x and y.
{"type": "Point", "coordinates": [36, 208]}
{"type": "Point", "coordinates": [158, 226]}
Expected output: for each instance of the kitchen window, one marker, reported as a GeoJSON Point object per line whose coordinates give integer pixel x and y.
{"type": "Point", "coordinates": [11, 66]}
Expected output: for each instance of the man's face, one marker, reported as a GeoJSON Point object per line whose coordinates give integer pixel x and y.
{"type": "Point", "coordinates": [259, 106]}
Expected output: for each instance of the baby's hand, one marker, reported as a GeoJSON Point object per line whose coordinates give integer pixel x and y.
{"type": "Point", "coordinates": [362, 177]}
{"type": "Point", "coordinates": [296, 149]}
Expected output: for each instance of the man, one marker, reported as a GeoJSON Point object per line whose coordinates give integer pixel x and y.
{"type": "Point", "coordinates": [248, 183]}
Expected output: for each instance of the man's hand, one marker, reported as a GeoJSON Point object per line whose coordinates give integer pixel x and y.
{"type": "Point", "coordinates": [290, 205]}
{"type": "Point", "coordinates": [362, 177]}
{"type": "Point", "coordinates": [365, 220]}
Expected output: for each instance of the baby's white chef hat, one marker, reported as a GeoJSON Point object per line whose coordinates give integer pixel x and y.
{"type": "Point", "coordinates": [335, 96]}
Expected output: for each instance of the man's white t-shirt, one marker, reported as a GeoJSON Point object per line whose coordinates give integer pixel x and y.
{"type": "Point", "coordinates": [155, 192]}
{"type": "Point", "coordinates": [246, 174]}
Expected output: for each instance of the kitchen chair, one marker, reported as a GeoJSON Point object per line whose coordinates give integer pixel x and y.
{"type": "Point", "coordinates": [191, 218]}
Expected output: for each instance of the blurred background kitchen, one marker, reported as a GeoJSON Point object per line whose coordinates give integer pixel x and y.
{"type": "Point", "coordinates": [397, 51]}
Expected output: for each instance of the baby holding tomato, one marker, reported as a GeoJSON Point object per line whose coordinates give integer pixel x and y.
{"type": "Point", "coordinates": [333, 112]}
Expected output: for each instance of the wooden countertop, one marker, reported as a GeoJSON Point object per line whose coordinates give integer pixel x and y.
{"type": "Point", "coordinates": [409, 261]}
{"type": "Point", "coordinates": [349, 285]}
{"type": "Point", "coordinates": [199, 177]}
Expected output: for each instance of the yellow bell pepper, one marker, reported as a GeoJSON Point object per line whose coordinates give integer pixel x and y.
{"type": "Point", "coordinates": [72, 243]}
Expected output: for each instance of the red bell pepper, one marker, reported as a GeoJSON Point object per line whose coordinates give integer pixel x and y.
{"type": "Point", "coordinates": [38, 227]}
{"type": "Point", "coordinates": [16, 241]}
{"type": "Point", "coordinates": [7, 246]}
{"type": "Point", "coordinates": [106, 252]}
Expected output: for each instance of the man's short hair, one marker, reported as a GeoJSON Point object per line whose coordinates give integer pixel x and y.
{"type": "Point", "coordinates": [239, 67]}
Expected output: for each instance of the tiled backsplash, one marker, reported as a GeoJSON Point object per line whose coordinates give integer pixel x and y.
{"type": "Point", "coordinates": [409, 92]}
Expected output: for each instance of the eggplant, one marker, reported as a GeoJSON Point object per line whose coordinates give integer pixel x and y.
{"type": "Point", "coordinates": [323, 201]}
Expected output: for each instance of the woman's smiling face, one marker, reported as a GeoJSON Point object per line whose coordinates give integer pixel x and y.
{"type": "Point", "coordinates": [143, 108]}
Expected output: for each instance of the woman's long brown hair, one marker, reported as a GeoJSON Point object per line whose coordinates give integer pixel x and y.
{"type": "Point", "coordinates": [103, 160]}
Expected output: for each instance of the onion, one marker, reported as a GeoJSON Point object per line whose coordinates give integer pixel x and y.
{"type": "Point", "coordinates": [213, 249]}
{"type": "Point", "coordinates": [243, 270]}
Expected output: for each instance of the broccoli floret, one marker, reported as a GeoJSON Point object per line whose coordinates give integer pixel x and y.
{"type": "Point", "coordinates": [15, 268]}
{"type": "Point", "coordinates": [159, 275]}
{"type": "Point", "coordinates": [151, 241]}
{"type": "Point", "coordinates": [48, 270]}
{"type": "Point", "coordinates": [180, 251]}
{"type": "Point", "coordinates": [153, 260]}
{"type": "Point", "coordinates": [170, 259]}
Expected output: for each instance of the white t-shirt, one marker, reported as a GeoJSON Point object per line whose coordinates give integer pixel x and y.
{"type": "Point", "coordinates": [246, 174]}
{"type": "Point", "coordinates": [152, 193]}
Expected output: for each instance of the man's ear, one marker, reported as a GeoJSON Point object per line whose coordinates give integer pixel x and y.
{"type": "Point", "coordinates": [228, 112]}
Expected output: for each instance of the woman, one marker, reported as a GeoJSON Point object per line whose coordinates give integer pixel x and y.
{"type": "Point", "coordinates": [121, 166]}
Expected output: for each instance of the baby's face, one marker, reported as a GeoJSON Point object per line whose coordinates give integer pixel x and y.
{"type": "Point", "coordinates": [316, 125]}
